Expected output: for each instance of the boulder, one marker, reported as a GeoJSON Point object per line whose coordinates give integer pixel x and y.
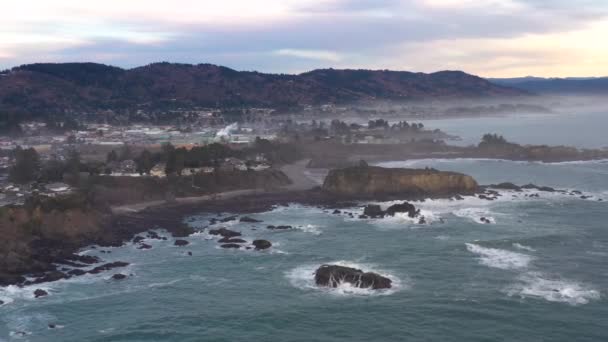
{"type": "Point", "coordinates": [138, 239]}
{"type": "Point", "coordinates": [279, 227]}
{"type": "Point", "coordinates": [373, 211]}
{"type": "Point", "coordinates": [228, 219]}
{"type": "Point", "coordinates": [1, 302]}
{"type": "Point", "coordinates": [76, 272]}
{"type": "Point", "coordinates": [85, 259]}
{"type": "Point", "coordinates": [50, 276]}
{"type": "Point", "coordinates": [334, 275]}
{"type": "Point", "coordinates": [118, 276]}
{"type": "Point", "coordinates": [337, 212]}
{"type": "Point", "coordinates": [153, 235]}
{"type": "Point", "coordinates": [224, 232]}
{"type": "Point", "coordinates": [40, 293]}
{"type": "Point", "coordinates": [261, 244]}
{"type": "Point", "coordinates": [404, 207]}
{"type": "Point", "coordinates": [181, 243]}
{"type": "Point", "coordinates": [108, 266]}
{"type": "Point", "coordinates": [249, 220]}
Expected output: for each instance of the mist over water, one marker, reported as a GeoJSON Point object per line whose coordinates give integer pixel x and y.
{"type": "Point", "coordinates": [537, 272]}
{"type": "Point", "coordinates": [585, 128]}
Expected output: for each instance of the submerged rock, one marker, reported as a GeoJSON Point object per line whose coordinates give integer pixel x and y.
{"type": "Point", "coordinates": [119, 276]}
{"type": "Point", "coordinates": [181, 243]}
{"type": "Point", "coordinates": [231, 245]}
{"type": "Point", "coordinates": [224, 232]}
{"type": "Point", "coordinates": [334, 275]}
{"type": "Point", "coordinates": [249, 220]}
{"type": "Point", "coordinates": [144, 246]}
{"type": "Point", "coordinates": [40, 293]}
{"type": "Point", "coordinates": [262, 244]}
{"type": "Point", "coordinates": [231, 240]}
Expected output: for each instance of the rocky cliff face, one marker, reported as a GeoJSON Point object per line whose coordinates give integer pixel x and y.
{"type": "Point", "coordinates": [34, 238]}
{"type": "Point", "coordinates": [367, 181]}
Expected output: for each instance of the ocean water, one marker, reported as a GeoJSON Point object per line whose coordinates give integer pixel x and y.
{"type": "Point", "coordinates": [537, 272]}
{"type": "Point", "coordinates": [584, 129]}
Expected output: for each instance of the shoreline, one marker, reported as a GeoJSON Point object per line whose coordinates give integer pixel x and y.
{"type": "Point", "coordinates": [122, 223]}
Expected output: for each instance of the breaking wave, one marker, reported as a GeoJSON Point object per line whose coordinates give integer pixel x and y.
{"type": "Point", "coordinates": [475, 214]}
{"type": "Point", "coordinates": [538, 285]}
{"type": "Point", "coordinates": [523, 247]}
{"type": "Point", "coordinates": [499, 258]}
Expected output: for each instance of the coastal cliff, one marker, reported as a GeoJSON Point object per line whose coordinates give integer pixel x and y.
{"type": "Point", "coordinates": [370, 181]}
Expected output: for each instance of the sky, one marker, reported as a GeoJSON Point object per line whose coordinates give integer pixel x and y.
{"type": "Point", "coordinates": [491, 38]}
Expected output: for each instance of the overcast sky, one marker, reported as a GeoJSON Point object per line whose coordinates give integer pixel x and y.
{"type": "Point", "coordinates": [492, 38]}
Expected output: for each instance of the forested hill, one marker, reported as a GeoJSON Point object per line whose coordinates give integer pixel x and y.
{"type": "Point", "coordinates": [571, 86]}
{"type": "Point", "coordinates": [74, 87]}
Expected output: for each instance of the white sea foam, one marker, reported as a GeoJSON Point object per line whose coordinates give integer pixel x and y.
{"type": "Point", "coordinates": [499, 258]}
{"type": "Point", "coordinates": [523, 247]}
{"type": "Point", "coordinates": [303, 278]}
{"type": "Point", "coordinates": [539, 285]}
{"type": "Point", "coordinates": [310, 228]}
{"type": "Point", "coordinates": [475, 214]}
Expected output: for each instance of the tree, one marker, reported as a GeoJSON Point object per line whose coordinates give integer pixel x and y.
{"type": "Point", "coordinates": [144, 163]}
{"type": "Point", "coordinates": [176, 160]}
{"type": "Point", "coordinates": [125, 153]}
{"type": "Point", "coordinates": [112, 157]}
{"type": "Point", "coordinates": [73, 166]}
{"type": "Point", "coordinates": [27, 166]}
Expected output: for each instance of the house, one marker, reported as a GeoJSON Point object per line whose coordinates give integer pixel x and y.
{"type": "Point", "coordinates": [233, 164]}
{"type": "Point", "coordinates": [158, 170]}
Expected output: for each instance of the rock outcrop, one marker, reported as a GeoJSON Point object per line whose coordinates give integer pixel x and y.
{"type": "Point", "coordinates": [334, 275]}
{"type": "Point", "coordinates": [370, 181]}
{"type": "Point", "coordinates": [261, 244]}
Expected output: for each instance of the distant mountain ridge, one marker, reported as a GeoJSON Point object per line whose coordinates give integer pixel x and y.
{"type": "Point", "coordinates": [46, 87]}
{"type": "Point", "coordinates": [569, 85]}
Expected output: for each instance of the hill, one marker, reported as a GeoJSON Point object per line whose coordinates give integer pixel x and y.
{"type": "Point", "coordinates": [78, 87]}
{"type": "Point", "coordinates": [572, 85]}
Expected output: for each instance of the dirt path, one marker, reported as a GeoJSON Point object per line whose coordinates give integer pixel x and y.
{"type": "Point", "coordinates": [296, 172]}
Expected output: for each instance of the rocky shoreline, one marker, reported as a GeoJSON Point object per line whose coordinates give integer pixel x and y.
{"type": "Point", "coordinates": [50, 256]}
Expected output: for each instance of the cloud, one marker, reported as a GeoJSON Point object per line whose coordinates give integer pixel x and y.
{"type": "Point", "coordinates": [299, 35]}
{"type": "Point", "coordinates": [311, 54]}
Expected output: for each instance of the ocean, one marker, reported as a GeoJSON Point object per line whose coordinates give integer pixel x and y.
{"type": "Point", "coordinates": [536, 272]}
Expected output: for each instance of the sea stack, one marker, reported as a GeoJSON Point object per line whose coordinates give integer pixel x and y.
{"type": "Point", "coordinates": [371, 181]}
